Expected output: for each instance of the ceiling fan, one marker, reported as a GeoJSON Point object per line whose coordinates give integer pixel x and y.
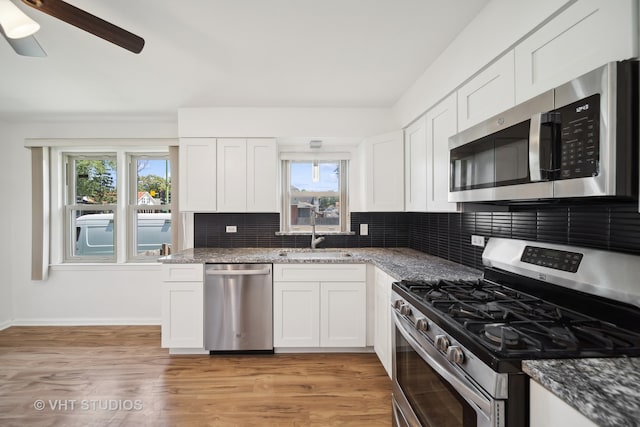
{"type": "Point", "coordinates": [18, 29]}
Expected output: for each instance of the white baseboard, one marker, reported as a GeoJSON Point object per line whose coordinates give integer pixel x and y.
{"type": "Point", "coordinates": [188, 351]}
{"type": "Point", "coordinates": [323, 350]}
{"type": "Point", "coordinates": [5, 325]}
{"type": "Point", "coordinates": [86, 322]}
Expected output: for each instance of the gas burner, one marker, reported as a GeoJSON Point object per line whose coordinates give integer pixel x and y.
{"type": "Point", "coordinates": [480, 294]}
{"type": "Point", "coordinates": [563, 337]}
{"type": "Point", "coordinates": [502, 334]}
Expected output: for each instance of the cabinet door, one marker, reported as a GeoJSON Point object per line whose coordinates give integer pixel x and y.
{"type": "Point", "coordinates": [416, 167]}
{"type": "Point", "coordinates": [262, 175]}
{"type": "Point", "coordinates": [182, 315]}
{"type": "Point", "coordinates": [440, 125]}
{"type": "Point", "coordinates": [343, 314]}
{"type": "Point", "coordinates": [197, 174]}
{"type": "Point", "coordinates": [488, 93]}
{"type": "Point", "coordinates": [382, 343]}
{"type": "Point", "coordinates": [547, 410]}
{"type": "Point", "coordinates": [385, 172]}
{"type": "Point", "coordinates": [296, 314]}
{"type": "Point", "coordinates": [232, 175]}
{"type": "Point", "coordinates": [585, 36]}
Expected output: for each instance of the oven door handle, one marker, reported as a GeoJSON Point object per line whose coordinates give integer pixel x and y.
{"type": "Point", "coordinates": [465, 388]}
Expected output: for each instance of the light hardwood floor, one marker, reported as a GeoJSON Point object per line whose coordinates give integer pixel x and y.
{"type": "Point", "coordinates": [119, 375]}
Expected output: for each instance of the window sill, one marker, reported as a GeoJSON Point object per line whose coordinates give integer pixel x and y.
{"type": "Point", "coordinates": [318, 233]}
{"type": "Point", "coordinates": [130, 266]}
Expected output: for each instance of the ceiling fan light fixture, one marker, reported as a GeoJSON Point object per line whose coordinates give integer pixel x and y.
{"type": "Point", "coordinates": [14, 22]}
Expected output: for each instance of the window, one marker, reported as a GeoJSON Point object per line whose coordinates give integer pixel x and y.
{"type": "Point", "coordinates": [149, 205]}
{"type": "Point", "coordinates": [315, 187]}
{"type": "Point", "coordinates": [117, 206]}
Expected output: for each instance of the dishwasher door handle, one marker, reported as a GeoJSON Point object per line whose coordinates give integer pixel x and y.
{"type": "Point", "coordinates": [262, 272]}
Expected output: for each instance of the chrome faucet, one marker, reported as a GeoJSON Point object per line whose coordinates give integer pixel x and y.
{"type": "Point", "coordinates": [313, 214]}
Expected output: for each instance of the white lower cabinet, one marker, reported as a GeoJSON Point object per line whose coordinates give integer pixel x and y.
{"type": "Point", "coordinates": [319, 305]}
{"type": "Point", "coordinates": [382, 315]}
{"type": "Point", "coordinates": [296, 311]}
{"type": "Point", "coordinates": [548, 410]}
{"type": "Point", "coordinates": [183, 306]}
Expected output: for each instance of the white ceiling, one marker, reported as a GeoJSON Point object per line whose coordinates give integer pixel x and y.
{"type": "Point", "coordinates": [249, 53]}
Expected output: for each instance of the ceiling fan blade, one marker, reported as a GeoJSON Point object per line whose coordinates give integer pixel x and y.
{"type": "Point", "coordinates": [25, 46]}
{"type": "Point", "coordinates": [88, 22]}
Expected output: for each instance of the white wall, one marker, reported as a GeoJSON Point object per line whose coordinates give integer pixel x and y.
{"type": "Point", "coordinates": [81, 295]}
{"type": "Point", "coordinates": [496, 29]}
{"type": "Point", "coordinates": [128, 294]}
{"type": "Point", "coordinates": [285, 122]}
{"type": "Point", "coordinates": [6, 298]}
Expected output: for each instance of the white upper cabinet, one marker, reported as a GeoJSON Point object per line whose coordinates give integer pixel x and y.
{"type": "Point", "coordinates": [487, 94]}
{"type": "Point", "coordinates": [232, 175]}
{"type": "Point", "coordinates": [585, 36]}
{"type": "Point", "coordinates": [384, 172]}
{"type": "Point", "coordinates": [416, 167]}
{"type": "Point", "coordinates": [197, 183]}
{"type": "Point", "coordinates": [440, 125]}
{"type": "Point", "coordinates": [262, 175]}
{"type": "Point", "coordinates": [247, 175]}
{"type": "Point", "coordinates": [228, 175]}
{"type": "Point", "coordinates": [427, 159]}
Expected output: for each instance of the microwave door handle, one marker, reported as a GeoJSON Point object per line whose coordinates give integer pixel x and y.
{"type": "Point", "coordinates": [534, 148]}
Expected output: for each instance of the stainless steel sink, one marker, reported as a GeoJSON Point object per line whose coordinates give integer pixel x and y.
{"type": "Point", "coordinates": [315, 254]}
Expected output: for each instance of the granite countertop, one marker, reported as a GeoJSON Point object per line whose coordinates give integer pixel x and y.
{"type": "Point", "coordinates": [399, 263]}
{"type": "Point", "coordinates": [604, 390]}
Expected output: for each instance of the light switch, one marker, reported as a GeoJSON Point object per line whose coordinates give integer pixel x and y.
{"type": "Point", "coordinates": [232, 229]}
{"type": "Point", "coordinates": [364, 229]}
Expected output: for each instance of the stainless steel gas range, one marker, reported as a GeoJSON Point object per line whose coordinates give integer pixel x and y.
{"type": "Point", "coordinates": [458, 345]}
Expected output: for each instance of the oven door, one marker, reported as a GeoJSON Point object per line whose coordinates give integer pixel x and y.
{"type": "Point", "coordinates": [428, 392]}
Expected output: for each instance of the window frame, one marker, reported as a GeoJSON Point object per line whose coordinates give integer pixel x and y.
{"type": "Point", "coordinates": [124, 210]}
{"type": "Point", "coordinates": [71, 205]}
{"type": "Point", "coordinates": [285, 223]}
{"type": "Point", "coordinates": [133, 208]}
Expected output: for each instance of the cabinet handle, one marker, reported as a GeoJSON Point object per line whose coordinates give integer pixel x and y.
{"type": "Point", "coordinates": [238, 272]}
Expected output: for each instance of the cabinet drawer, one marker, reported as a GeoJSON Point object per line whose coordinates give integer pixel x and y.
{"type": "Point", "coordinates": [183, 272]}
{"type": "Point", "coordinates": [319, 272]}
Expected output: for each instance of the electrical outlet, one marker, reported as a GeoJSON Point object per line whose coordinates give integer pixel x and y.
{"type": "Point", "coordinates": [364, 229]}
{"type": "Point", "coordinates": [477, 241]}
{"type": "Point", "coordinates": [232, 229]}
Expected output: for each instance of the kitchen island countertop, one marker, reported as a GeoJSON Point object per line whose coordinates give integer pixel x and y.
{"type": "Point", "coordinates": [605, 390]}
{"type": "Point", "coordinates": [399, 263]}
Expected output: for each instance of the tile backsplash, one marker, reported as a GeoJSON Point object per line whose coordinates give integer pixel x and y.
{"type": "Point", "coordinates": [614, 227]}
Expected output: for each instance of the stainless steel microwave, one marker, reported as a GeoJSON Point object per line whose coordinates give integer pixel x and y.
{"type": "Point", "coordinates": [577, 140]}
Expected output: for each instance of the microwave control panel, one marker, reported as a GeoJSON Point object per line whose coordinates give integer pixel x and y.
{"type": "Point", "coordinates": [552, 258]}
{"type": "Point", "coordinates": [580, 138]}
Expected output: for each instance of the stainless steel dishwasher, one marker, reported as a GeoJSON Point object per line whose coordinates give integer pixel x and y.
{"type": "Point", "coordinates": [238, 308]}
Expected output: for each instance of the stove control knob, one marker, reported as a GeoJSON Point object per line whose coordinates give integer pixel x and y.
{"type": "Point", "coordinates": [398, 304]}
{"type": "Point", "coordinates": [405, 310]}
{"type": "Point", "coordinates": [422, 325]}
{"type": "Point", "coordinates": [442, 342]}
{"type": "Point", "coordinates": [455, 354]}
